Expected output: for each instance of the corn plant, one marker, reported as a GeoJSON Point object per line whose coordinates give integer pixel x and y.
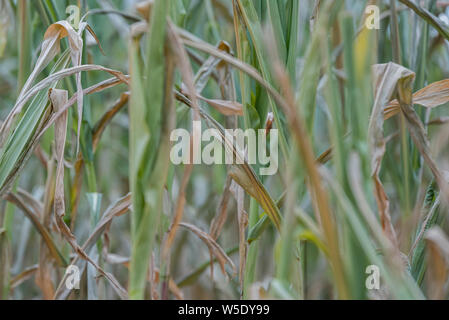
{"type": "Point", "coordinates": [338, 188]}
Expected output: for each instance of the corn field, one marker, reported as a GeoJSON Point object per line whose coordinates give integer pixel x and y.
{"type": "Point", "coordinates": [349, 201]}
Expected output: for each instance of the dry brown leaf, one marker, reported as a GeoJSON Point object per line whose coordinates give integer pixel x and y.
{"type": "Point", "coordinates": [107, 117]}
{"type": "Point", "coordinates": [418, 133]}
{"type": "Point", "coordinates": [388, 79]}
{"type": "Point", "coordinates": [242, 218]}
{"type": "Point", "coordinates": [228, 108]}
{"type": "Point", "coordinates": [62, 29]}
{"type": "Point", "coordinates": [216, 68]}
{"type": "Point", "coordinates": [438, 121]}
{"type": "Point", "coordinates": [5, 13]}
{"type": "Point", "coordinates": [225, 107]}
{"type": "Point", "coordinates": [144, 8]}
{"type": "Point", "coordinates": [437, 236]}
{"type": "Point", "coordinates": [46, 265]}
{"type": "Point", "coordinates": [47, 254]}
{"type": "Point", "coordinates": [185, 68]}
{"type": "Point", "coordinates": [179, 210]}
{"type": "Point", "coordinates": [58, 99]}
{"type": "Point", "coordinates": [243, 173]}
{"type": "Point", "coordinates": [203, 74]}
{"type": "Point", "coordinates": [355, 178]}
{"type": "Point", "coordinates": [177, 292]}
{"type": "Point", "coordinates": [438, 255]}
{"type": "Point", "coordinates": [49, 118]}
{"type": "Point", "coordinates": [222, 213]}
{"type": "Point", "coordinates": [95, 88]}
{"type": "Point", "coordinates": [23, 276]}
{"type": "Point", "coordinates": [28, 209]}
{"type": "Point", "coordinates": [431, 96]}
{"type": "Point", "coordinates": [43, 84]}
{"type": "Point", "coordinates": [50, 48]}
{"type": "Point", "coordinates": [118, 208]}
{"type": "Point", "coordinates": [44, 281]}
{"type": "Point", "coordinates": [213, 246]}
{"type": "Point", "coordinates": [94, 35]}
{"type": "Point", "coordinates": [226, 83]}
